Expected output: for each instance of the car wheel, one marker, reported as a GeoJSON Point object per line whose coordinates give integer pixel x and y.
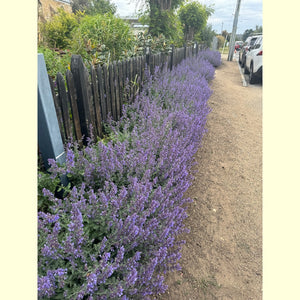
{"type": "Point", "coordinates": [252, 78]}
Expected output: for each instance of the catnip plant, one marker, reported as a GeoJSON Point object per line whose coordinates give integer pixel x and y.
{"type": "Point", "coordinates": [115, 231]}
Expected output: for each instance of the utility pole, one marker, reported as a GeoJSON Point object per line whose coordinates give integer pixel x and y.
{"type": "Point", "coordinates": [232, 37]}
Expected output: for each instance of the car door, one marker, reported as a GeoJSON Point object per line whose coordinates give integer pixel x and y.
{"type": "Point", "coordinates": [252, 52]}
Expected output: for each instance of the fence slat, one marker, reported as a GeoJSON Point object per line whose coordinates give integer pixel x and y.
{"type": "Point", "coordinates": [101, 93]}
{"type": "Point", "coordinates": [107, 89]}
{"type": "Point", "coordinates": [112, 91]}
{"type": "Point", "coordinates": [134, 73]}
{"type": "Point", "coordinates": [91, 104]}
{"type": "Point", "coordinates": [117, 89]}
{"type": "Point", "coordinates": [73, 103]}
{"type": "Point", "coordinates": [63, 101]}
{"type": "Point", "coordinates": [121, 85]}
{"type": "Point", "coordinates": [96, 101]}
{"type": "Point", "coordinates": [57, 109]}
{"type": "Point", "coordinates": [81, 82]}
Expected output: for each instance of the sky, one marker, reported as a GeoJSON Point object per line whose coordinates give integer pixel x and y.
{"type": "Point", "coordinates": [250, 13]}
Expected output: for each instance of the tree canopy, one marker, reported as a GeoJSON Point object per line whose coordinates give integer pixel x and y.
{"type": "Point", "coordinates": [193, 16]}
{"type": "Point", "coordinates": [92, 7]}
{"type": "Point", "coordinates": [248, 32]}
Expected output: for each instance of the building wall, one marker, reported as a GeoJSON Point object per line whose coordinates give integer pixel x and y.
{"type": "Point", "coordinates": [47, 8]}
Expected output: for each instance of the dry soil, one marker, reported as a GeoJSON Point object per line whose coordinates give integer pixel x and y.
{"type": "Point", "coordinates": [222, 257]}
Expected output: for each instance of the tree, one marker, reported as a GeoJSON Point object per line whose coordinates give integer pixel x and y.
{"type": "Point", "coordinates": [79, 5]}
{"type": "Point", "coordinates": [248, 32]}
{"type": "Point", "coordinates": [226, 35]}
{"type": "Point", "coordinates": [93, 7]}
{"type": "Point", "coordinates": [206, 35]}
{"type": "Point", "coordinates": [161, 18]}
{"type": "Point", "coordinates": [193, 16]}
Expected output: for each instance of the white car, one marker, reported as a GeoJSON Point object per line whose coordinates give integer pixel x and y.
{"type": "Point", "coordinates": [254, 61]}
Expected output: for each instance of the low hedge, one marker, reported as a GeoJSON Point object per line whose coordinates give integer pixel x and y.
{"type": "Point", "coordinates": [114, 231]}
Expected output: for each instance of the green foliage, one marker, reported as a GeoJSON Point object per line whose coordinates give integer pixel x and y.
{"type": "Point", "coordinates": [156, 44]}
{"type": "Point", "coordinates": [57, 32]}
{"type": "Point", "coordinates": [194, 17]}
{"type": "Point", "coordinates": [221, 41]}
{"type": "Point", "coordinates": [163, 22]}
{"type": "Point", "coordinates": [206, 35]}
{"type": "Point", "coordinates": [93, 7]}
{"type": "Point", "coordinates": [162, 19]}
{"type": "Point", "coordinates": [55, 62]}
{"type": "Point", "coordinates": [102, 38]}
{"type": "Point", "coordinates": [248, 32]}
{"type": "Point", "coordinates": [101, 7]}
{"type": "Point", "coordinates": [45, 181]}
{"type": "Point", "coordinates": [226, 35]}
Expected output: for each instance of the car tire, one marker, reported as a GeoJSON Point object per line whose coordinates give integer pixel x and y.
{"type": "Point", "coordinates": [252, 78]}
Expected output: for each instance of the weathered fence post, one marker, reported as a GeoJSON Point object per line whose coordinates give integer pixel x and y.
{"type": "Point", "coordinates": [82, 84]}
{"type": "Point", "coordinates": [172, 58]}
{"type": "Point", "coordinates": [49, 137]}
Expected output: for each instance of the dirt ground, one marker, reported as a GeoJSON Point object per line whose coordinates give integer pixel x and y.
{"type": "Point", "coordinates": [222, 257]}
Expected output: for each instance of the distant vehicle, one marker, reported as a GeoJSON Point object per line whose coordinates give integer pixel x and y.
{"type": "Point", "coordinates": [238, 45]}
{"type": "Point", "coordinates": [248, 43]}
{"type": "Point", "coordinates": [254, 61]}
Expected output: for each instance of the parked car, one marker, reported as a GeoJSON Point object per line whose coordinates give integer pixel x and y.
{"type": "Point", "coordinates": [238, 45]}
{"type": "Point", "coordinates": [254, 61]}
{"type": "Point", "coordinates": [248, 43]}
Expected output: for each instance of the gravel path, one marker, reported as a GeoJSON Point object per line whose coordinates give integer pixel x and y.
{"type": "Point", "coordinates": [222, 258]}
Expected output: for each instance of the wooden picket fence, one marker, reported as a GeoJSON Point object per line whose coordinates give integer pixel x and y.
{"type": "Point", "coordinates": [85, 98]}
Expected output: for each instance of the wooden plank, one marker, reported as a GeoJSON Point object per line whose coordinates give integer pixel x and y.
{"type": "Point", "coordinates": [112, 91]}
{"type": "Point", "coordinates": [91, 105]}
{"type": "Point", "coordinates": [73, 103]}
{"type": "Point", "coordinates": [101, 90]}
{"type": "Point", "coordinates": [81, 82]}
{"type": "Point", "coordinates": [172, 58]}
{"type": "Point", "coordinates": [96, 100]}
{"type": "Point", "coordinates": [152, 64]}
{"type": "Point", "coordinates": [134, 75]}
{"type": "Point", "coordinates": [124, 70]}
{"type": "Point", "coordinates": [107, 90]}
{"type": "Point", "coordinates": [63, 100]}
{"type": "Point", "coordinates": [130, 77]}
{"type": "Point", "coordinates": [121, 85]}
{"type": "Point", "coordinates": [139, 70]}
{"type": "Point", "coordinates": [57, 109]}
{"type": "Point", "coordinates": [143, 67]}
{"type": "Point", "coordinates": [117, 89]}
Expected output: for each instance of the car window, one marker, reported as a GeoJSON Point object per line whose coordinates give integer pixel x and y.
{"type": "Point", "coordinates": [257, 43]}
{"type": "Point", "coordinates": [252, 41]}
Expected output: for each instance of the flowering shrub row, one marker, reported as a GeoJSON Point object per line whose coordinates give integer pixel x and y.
{"type": "Point", "coordinates": [113, 234]}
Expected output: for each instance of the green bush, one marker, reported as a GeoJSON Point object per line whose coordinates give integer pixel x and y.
{"type": "Point", "coordinates": [57, 32]}
{"type": "Point", "coordinates": [221, 41]}
{"type": "Point", "coordinates": [102, 38]}
{"type": "Point", "coordinates": [56, 62]}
